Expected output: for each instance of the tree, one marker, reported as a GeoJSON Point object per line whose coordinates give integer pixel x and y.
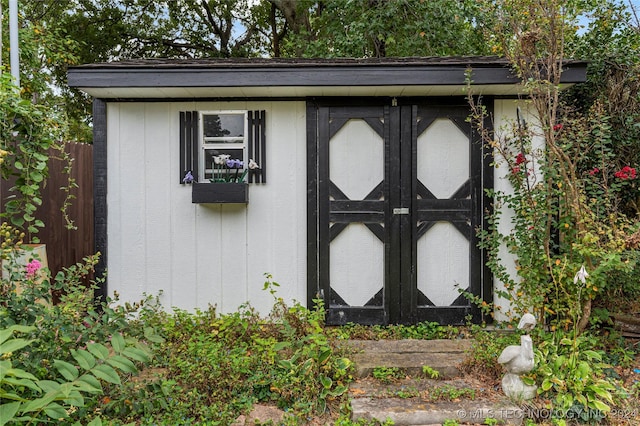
{"type": "Point", "coordinates": [569, 233]}
{"type": "Point", "coordinates": [376, 28]}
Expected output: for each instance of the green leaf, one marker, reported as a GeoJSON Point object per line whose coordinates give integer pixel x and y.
{"type": "Point", "coordinates": [106, 373]}
{"type": "Point", "coordinates": [546, 385]}
{"type": "Point", "coordinates": [122, 364]}
{"type": "Point", "coordinates": [18, 165]}
{"type": "Point", "coordinates": [591, 355]}
{"type": "Point", "coordinates": [339, 390]}
{"type": "Point", "coordinates": [84, 359]}
{"type": "Point", "coordinates": [602, 393]}
{"type": "Point", "coordinates": [136, 354]}
{"type": "Point", "coordinates": [95, 422]}
{"type": "Point", "coordinates": [151, 335]}
{"type": "Point", "coordinates": [8, 332]}
{"type": "Point", "coordinates": [11, 396]}
{"type": "Point", "coordinates": [7, 411]}
{"type": "Point", "coordinates": [49, 385]}
{"type": "Point", "coordinates": [599, 405]}
{"type": "Point", "coordinates": [98, 350]}
{"type": "Point", "coordinates": [40, 403]}
{"type": "Point", "coordinates": [117, 341]}
{"type": "Point", "coordinates": [68, 371]}
{"type": "Point", "coordinates": [55, 411]}
{"type": "Point", "coordinates": [324, 356]}
{"type": "Point", "coordinates": [17, 221]}
{"type": "Point", "coordinates": [18, 373]}
{"type": "Point", "coordinates": [89, 383]}
{"type": "Point", "coordinates": [36, 176]}
{"type": "Point", "coordinates": [22, 382]}
{"type": "Point", "coordinates": [326, 381]}
{"type": "Point", "coordinates": [15, 345]}
{"type": "Point", "coordinates": [281, 345]}
{"type": "Point", "coordinates": [4, 367]}
{"type": "Point", "coordinates": [75, 398]}
{"type": "Point", "coordinates": [343, 363]}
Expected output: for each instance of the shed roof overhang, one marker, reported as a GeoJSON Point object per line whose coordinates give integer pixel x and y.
{"type": "Point", "coordinates": [285, 78]}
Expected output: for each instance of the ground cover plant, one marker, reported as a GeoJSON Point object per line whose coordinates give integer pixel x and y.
{"type": "Point", "coordinates": [78, 363]}
{"type": "Point", "coordinates": [84, 365]}
{"type": "Point", "coordinates": [58, 360]}
{"type": "Point", "coordinates": [582, 378]}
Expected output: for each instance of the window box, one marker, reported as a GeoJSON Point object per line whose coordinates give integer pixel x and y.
{"type": "Point", "coordinates": [220, 193]}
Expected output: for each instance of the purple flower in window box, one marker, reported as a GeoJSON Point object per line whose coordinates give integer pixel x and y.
{"type": "Point", "coordinates": [188, 177]}
{"type": "Point", "coordinates": [230, 170]}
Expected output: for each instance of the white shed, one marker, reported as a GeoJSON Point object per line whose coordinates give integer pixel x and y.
{"type": "Point", "coordinates": [368, 196]}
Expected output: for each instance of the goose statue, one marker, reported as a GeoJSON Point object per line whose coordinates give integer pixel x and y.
{"type": "Point", "coordinates": [519, 360]}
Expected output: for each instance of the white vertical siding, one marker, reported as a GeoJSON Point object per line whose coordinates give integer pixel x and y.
{"type": "Point", "coordinates": [203, 254]}
{"type": "Point", "coordinates": [505, 118]}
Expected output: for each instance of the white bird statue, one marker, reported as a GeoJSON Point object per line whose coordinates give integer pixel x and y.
{"type": "Point", "coordinates": [519, 359]}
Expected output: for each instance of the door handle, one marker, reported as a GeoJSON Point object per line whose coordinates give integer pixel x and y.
{"type": "Point", "coordinates": [401, 210]}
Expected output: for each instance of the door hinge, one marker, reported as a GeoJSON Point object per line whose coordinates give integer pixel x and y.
{"type": "Point", "coordinates": [401, 210]}
{"type": "Point", "coordinates": [394, 102]}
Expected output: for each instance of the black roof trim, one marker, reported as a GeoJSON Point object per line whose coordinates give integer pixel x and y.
{"type": "Point", "coordinates": [261, 72]}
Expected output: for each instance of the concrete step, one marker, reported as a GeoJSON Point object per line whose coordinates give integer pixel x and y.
{"type": "Point", "coordinates": [410, 355]}
{"type": "Point", "coordinates": [417, 400]}
{"type": "Point", "coordinates": [418, 413]}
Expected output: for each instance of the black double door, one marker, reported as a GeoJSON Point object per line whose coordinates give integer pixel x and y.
{"type": "Point", "coordinates": [396, 196]}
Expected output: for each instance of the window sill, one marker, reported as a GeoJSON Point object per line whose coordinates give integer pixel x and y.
{"type": "Point", "coordinates": [219, 193]}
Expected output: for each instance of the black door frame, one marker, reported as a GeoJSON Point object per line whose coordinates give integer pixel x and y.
{"type": "Point", "coordinates": [401, 306]}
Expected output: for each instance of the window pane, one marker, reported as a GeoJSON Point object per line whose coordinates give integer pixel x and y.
{"type": "Point", "coordinates": [223, 125]}
{"type": "Point", "coordinates": [221, 171]}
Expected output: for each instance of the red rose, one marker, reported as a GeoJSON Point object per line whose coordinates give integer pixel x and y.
{"type": "Point", "coordinates": [557, 127]}
{"type": "Point", "coordinates": [626, 172]}
{"type": "Point", "coordinates": [520, 158]}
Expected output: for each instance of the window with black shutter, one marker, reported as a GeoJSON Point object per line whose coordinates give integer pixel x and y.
{"type": "Point", "coordinates": [220, 146]}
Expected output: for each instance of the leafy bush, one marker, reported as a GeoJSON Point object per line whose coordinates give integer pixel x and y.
{"type": "Point", "coordinates": [423, 330]}
{"type": "Point", "coordinates": [69, 353]}
{"type": "Point", "coordinates": [572, 374]}
{"type": "Point", "coordinates": [225, 363]}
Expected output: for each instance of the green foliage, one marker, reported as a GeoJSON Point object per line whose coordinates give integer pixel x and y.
{"type": "Point", "coordinates": [430, 372]}
{"type": "Point", "coordinates": [225, 363]}
{"type": "Point", "coordinates": [387, 374]}
{"type": "Point", "coordinates": [70, 353]}
{"type": "Point", "coordinates": [566, 210]}
{"type": "Point", "coordinates": [572, 374]}
{"type": "Point", "coordinates": [346, 421]}
{"type": "Point", "coordinates": [34, 400]}
{"type": "Point", "coordinates": [482, 359]}
{"type": "Point", "coordinates": [423, 330]}
{"type": "Point", "coordinates": [385, 29]}
{"type": "Point", "coordinates": [27, 131]}
{"type": "Point", "coordinates": [450, 393]}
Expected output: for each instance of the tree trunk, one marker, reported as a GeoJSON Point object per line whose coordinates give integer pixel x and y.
{"type": "Point", "coordinates": [586, 314]}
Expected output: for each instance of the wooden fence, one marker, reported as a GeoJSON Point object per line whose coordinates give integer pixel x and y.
{"type": "Point", "coordinates": [65, 247]}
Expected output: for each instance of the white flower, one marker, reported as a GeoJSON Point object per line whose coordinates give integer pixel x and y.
{"type": "Point", "coordinates": [221, 159]}
{"type": "Point", "coordinates": [581, 275]}
{"type": "Point", "coordinates": [253, 165]}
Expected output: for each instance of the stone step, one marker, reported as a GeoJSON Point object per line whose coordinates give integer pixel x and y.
{"type": "Point", "coordinates": [417, 400]}
{"type": "Point", "coordinates": [410, 355]}
{"type": "Point", "coordinates": [404, 412]}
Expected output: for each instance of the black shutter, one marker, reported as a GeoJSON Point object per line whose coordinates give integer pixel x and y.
{"type": "Point", "coordinates": [257, 145]}
{"type": "Point", "coordinates": [188, 144]}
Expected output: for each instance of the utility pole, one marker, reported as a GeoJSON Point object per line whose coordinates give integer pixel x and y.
{"type": "Point", "coordinates": [1, 19]}
{"type": "Point", "coordinates": [13, 42]}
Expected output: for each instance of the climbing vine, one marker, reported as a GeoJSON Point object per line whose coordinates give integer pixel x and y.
{"type": "Point", "coordinates": [562, 219]}
{"type": "Point", "coordinates": [27, 134]}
